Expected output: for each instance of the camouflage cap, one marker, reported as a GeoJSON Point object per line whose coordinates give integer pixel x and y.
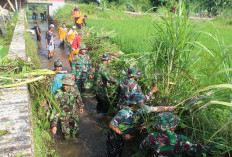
{"type": "Point", "coordinates": [135, 98]}
{"type": "Point", "coordinates": [83, 47]}
{"type": "Point", "coordinates": [67, 79]}
{"type": "Point", "coordinates": [132, 72]}
{"type": "Point", "coordinates": [58, 63]}
{"type": "Point", "coordinates": [106, 57]}
{"type": "Point", "coordinates": [166, 121]}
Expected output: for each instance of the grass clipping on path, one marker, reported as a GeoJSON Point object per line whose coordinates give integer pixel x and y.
{"type": "Point", "coordinates": [19, 72]}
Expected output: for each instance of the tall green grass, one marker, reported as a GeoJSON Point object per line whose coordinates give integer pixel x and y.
{"type": "Point", "coordinates": [5, 41]}
{"type": "Point", "coordinates": [195, 58]}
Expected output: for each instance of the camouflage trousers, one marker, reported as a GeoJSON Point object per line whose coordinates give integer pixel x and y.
{"type": "Point", "coordinates": [114, 144]}
{"type": "Point", "coordinates": [81, 83]}
{"type": "Point", "coordinates": [103, 101]}
{"type": "Point", "coordinates": [69, 124]}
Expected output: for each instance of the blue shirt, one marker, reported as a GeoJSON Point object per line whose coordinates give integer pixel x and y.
{"type": "Point", "coordinates": [56, 83]}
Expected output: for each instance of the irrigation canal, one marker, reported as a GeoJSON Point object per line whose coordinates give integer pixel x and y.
{"type": "Point", "coordinates": [91, 141]}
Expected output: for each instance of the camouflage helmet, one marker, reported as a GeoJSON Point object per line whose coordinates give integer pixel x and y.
{"type": "Point", "coordinates": [106, 57]}
{"type": "Point", "coordinates": [166, 121]}
{"type": "Point", "coordinates": [135, 98]}
{"type": "Point", "coordinates": [83, 47]}
{"type": "Point", "coordinates": [132, 72]}
{"type": "Point", "coordinates": [67, 79]}
{"type": "Point", "coordinates": [58, 63]}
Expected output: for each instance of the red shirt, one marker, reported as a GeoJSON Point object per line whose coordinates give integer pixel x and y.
{"type": "Point", "coordinates": [77, 42]}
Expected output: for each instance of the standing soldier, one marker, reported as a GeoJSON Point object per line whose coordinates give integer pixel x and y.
{"type": "Point", "coordinates": [123, 124]}
{"type": "Point", "coordinates": [62, 34]}
{"type": "Point", "coordinates": [68, 97]}
{"type": "Point", "coordinates": [56, 80]}
{"type": "Point", "coordinates": [102, 79]}
{"type": "Point", "coordinates": [167, 143]}
{"type": "Point", "coordinates": [82, 67]}
{"type": "Point", "coordinates": [129, 85]}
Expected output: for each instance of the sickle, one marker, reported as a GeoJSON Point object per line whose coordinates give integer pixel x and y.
{"type": "Point", "coordinates": [156, 76]}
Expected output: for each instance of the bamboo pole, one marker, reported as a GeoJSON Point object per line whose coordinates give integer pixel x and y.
{"type": "Point", "coordinates": [16, 5]}
{"type": "Point", "coordinates": [23, 83]}
{"type": "Point", "coordinates": [11, 5]}
{"type": "Point", "coordinates": [5, 5]}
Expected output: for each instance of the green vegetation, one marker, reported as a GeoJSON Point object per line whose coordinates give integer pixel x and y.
{"type": "Point", "coordinates": [153, 5]}
{"type": "Point", "coordinates": [31, 49]}
{"type": "Point", "coordinates": [2, 132]}
{"type": "Point", "coordinates": [5, 42]}
{"type": "Point", "coordinates": [41, 103]}
{"type": "Point", "coordinates": [194, 57]}
{"type": "Point", "coordinates": [20, 72]}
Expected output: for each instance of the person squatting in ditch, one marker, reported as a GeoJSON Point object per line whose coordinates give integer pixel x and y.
{"type": "Point", "coordinates": [121, 127]}
{"type": "Point", "coordinates": [128, 85]}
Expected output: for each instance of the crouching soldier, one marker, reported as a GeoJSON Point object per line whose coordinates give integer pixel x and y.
{"type": "Point", "coordinates": [82, 67]}
{"type": "Point", "coordinates": [130, 85]}
{"type": "Point", "coordinates": [102, 79]}
{"type": "Point", "coordinates": [167, 143]}
{"type": "Point", "coordinates": [56, 80]}
{"type": "Point", "coordinates": [68, 97]}
{"type": "Point", "coordinates": [123, 124]}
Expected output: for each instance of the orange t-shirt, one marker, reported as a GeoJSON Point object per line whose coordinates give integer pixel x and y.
{"type": "Point", "coordinates": [76, 13]}
{"type": "Point", "coordinates": [80, 20]}
{"type": "Point", "coordinates": [71, 37]}
{"type": "Point", "coordinates": [73, 54]}
{"type": "Point", "coordinates": [63, 33]}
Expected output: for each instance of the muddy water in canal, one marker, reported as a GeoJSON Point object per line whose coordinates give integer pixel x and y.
{"type": "Point", "coordinates": [91, 141]}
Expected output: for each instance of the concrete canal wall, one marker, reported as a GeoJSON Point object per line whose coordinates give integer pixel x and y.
{"type": "Point", "coordinates": [15, 109]}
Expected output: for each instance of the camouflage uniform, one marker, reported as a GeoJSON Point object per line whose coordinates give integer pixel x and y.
{"type": "Point", "coordinates": [125, 120]}
{"type": "Point", "coordinates": [102, 77]}
{"type": "Point", "coordinates": [166, 143]}
{"type": "Point", "coordinates": [81, 67]}
{"type": "Point", "coordinates": [68, 105]}
{"type": "Point", "coordinates": [128, 85]}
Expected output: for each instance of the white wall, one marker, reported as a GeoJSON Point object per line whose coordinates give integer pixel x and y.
{"type": "Point", "coordinates": [54, 7]}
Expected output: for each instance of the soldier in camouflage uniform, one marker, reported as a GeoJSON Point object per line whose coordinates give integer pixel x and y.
{"type": "Point", "coordinates": [102, 79]}
{"type": "Point", "coordinates": [82, 68]}
{"type": "Point", "coordinates": [167, 143]}
{"type": "Point", "coordinates": [123, 124]}
{"type": "Point", "coordinates": [68, 97]}
{"type": "Point", "coordinates": [129, 85]}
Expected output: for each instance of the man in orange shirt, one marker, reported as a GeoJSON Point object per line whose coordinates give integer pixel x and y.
{"type": "Point", "coordinates": [76, 13]}
{"type": "Point", "coordinates": [71, 35]}
{"type": "Point", "coordinates": [62, 34]}
{"type": "Point", "coordinates": [81, 21]}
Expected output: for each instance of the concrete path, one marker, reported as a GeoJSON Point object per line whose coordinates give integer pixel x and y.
{"type": "Point", "coordinates": [15, 109]}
